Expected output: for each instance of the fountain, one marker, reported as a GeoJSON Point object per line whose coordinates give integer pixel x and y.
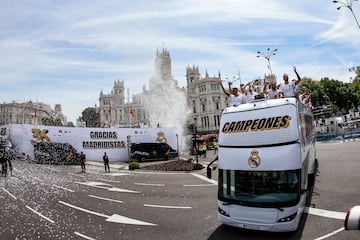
{"type": "Point", "coordinates": [165, 103]}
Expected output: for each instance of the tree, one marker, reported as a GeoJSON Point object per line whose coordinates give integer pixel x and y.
{"type": "Point", "coordinates": [47, 121]}
{"type": "Point", "coordinates": [341, 96]}
{"type": "Point", "coordinates": [90, 117]}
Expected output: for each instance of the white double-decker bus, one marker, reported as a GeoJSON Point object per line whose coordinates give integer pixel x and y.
{"type": "Point", "coordinates": [267, 164]}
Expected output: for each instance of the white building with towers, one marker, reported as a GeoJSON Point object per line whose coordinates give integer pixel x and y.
{"type": "Point", "coordinates": [206, 100]}
{"type": "Point", "coordinates": [143, 107]}
{"type": "Point", "coordinates": [164, 104]}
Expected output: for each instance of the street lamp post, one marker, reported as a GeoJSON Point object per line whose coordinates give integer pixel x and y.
{"type": "Point", "coordinates": [348, 5]}
{"type": "Point", "coordinates": [195, 147]}
{"type": "Point", "coordinates": [267, 57]}
{"type": "Point", "coordinates": [177, 145]}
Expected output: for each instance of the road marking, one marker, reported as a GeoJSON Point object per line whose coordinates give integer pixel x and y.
{"type": "Point", "coordinates": [84, 236]}
{"type": "Point", "coordinates": [115, 218]}
{"type": "Point", "coordinates": [38, 179]}
{"type": "Point", "coordinates": [212, 181]}
{"type": "Point", "coordinates": [112, 189]}
{"type": "Point", "coordinates": [199, 185]}
{"type": "Point", "coordinates": [77, 175]}
{"type": "Point", "coordinates": [330, 234]}
{"type": "Point", "coordinates": [163, 206]}
{"type": "Point", "coordinates": [112, 181]}
{"type": "Point", "coordinates": [9, 193]}
{"type": "Point", "coordinates": [115, 189]}
{"type": "Point", "coordinates": [47, 219]}
{"type": "Point", "coordinates": [66, 189]}
{"type": "Point", "coordinates": [116, 174]}
{"type": "Point", "coordinates": [93, 184]}
{"type": "Point", "coordinates": [325, 213]}
{"type": "Point", "coordinates": [106, 199]}
{"type": "Point", "coordinates": [83, 209]}
{"type": "Point", "coordinates": [150, 184]}
{"type": "Point", "coordinates": [52, 169]}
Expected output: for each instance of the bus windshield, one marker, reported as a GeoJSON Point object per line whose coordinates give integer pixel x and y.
{"type": "Point", "coordinates": [260, 188]}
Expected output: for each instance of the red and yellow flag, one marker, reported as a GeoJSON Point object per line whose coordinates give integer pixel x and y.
{"type": "Point", "coordinates": [110, 113]}
{"type": "Point", "coordinates": [132, 114]}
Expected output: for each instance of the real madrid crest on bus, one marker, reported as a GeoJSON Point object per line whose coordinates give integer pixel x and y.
{"type": "Point", "coordinates": [254, 160]}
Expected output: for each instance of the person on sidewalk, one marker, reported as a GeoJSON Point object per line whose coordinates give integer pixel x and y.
{"type": "Point", "coordinates": [106, 162]}
{"type": "Point", "coordinates": [82, 162]}
{"type": "Point", "coordinates": [216, 146]}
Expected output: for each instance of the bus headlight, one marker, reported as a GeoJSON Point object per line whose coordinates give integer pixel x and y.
{"type": "Point", "coordinates": [287, 219]}
{"type": "Point", "coordinates": [222, 212]}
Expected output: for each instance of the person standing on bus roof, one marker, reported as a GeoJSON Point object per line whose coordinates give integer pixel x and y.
{"type": "Point", "coordinates": [235, 98]}
{"type": "Point", "coordinates": [289, 89]}
{"type": "Point", "coordinates": [249, 93]}
{"type": "Point", "coordinates": [273, 92]}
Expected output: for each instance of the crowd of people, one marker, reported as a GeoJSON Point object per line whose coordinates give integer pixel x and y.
{"type": "Point", "coordinates": [246, 93]}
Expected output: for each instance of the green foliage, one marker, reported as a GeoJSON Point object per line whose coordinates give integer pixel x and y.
{"type": "Point", "coordinates": [51, 122]}
{"type": "Point", "coordinates": [91, 117]}
{"type": "Point", "coordinates": [134, 165]}
{"type": "Point", "coordinates": [342, 96]}
{"type": "Point", "coordinates": [190, 160]}
{"type": "Point", "coordinates": [197, 166]}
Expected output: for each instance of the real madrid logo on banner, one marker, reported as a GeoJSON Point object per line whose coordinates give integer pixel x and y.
{"type": "Point", "coordinates": [254, 160]}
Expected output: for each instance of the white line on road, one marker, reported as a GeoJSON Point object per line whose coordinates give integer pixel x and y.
{"type": "Point", "coordinates": [84, 236]}
{"type": "Point", "coordinates": [47, 219]}
{"type": "Point", "coordinates": [330, 234]}
{"type": "Point", "coordinates": [112, 181]}
{"type": "Point", "coordinates": [163, 206]}
{"type": "Point", "coordinates": [150, 184]}
{"type": "Point", "coordinates": [83, 209]}
{"type": "Point", "coordinates": [9, 193]}
{"type": "Point", "coordinates": [205, 178]}
{"type": "Point", "coordinates": [325, 213]}
{"type": "Point", "coordinates": [38, 179]}
{"type": "Point", "coordinates": [52, 169]}
{"type": "Point", "coordinates": [115, 218]}
{"type": "Point", "coordinates": [77, 175]}
{"type": "Point", "coordinates": [106, 199]}
{"type": "Point", "coordinates": [111, 189]}
{"type": "Point", "coordinates": [199, 185]}
{"type": "Point", "coordinates": [66, 189]}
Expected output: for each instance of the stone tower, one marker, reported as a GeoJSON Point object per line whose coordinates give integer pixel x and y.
{"type": "Point", "coordinates": [162, 76]}
{"type": "Point", "coordinates": [192, 76]}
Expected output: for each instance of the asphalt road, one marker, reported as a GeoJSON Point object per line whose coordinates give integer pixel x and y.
{"type": "Point", "coordinates": [59, 202]}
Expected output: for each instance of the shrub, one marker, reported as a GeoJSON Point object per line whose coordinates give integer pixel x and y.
{"type": "Point", "coordinates": [197, 166]}
{"type": "Point", "coordinates": [190, 160]}
{"type": "Point", "coordinates": [134, 165]}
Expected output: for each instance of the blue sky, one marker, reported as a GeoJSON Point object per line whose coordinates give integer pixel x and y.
{"type": "Point", "coordinates": [67, 51]}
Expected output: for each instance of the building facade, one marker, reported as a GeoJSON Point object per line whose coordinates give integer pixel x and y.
{"type": "Point", "coordinates": [29, 113]}
{"type": "Point", "coordinates": [206, 100]}
{"type": "Point", "coordinates": [115, 112]}
{"type": "Point", "coordinates": [203, 96]}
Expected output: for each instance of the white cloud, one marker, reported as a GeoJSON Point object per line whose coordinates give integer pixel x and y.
{"type": "Point", "coordinates": [58, 47]}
